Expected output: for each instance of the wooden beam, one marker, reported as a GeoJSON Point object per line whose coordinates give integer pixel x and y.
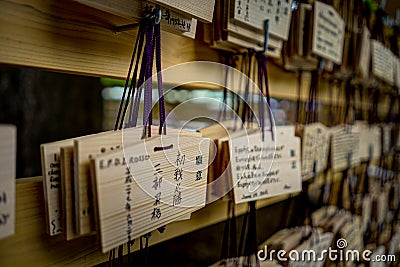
{"type": "Point", "coordinates": [67, 36]}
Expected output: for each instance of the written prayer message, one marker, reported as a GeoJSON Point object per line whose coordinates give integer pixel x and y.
{"type": "Point", "coordinates": [262, 169]}
{"type": "Point", "coordinates": [328, 35]}
{"type": "Point", "coordinates": [148, 185]}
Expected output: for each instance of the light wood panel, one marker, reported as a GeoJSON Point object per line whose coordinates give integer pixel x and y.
{"type": "Point", "coordinates": [67, 36]}
{"type": "Point", "coordinates": [70, 37]}
{"type": "Point", "coordinates": [31, 244]}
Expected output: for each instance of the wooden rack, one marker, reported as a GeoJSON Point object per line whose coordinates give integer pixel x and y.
{"type": "Point", "coordinates": [68, 36]}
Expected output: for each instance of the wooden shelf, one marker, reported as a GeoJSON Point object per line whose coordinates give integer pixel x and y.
{"type": "Point", "coordinates": [67, 36]}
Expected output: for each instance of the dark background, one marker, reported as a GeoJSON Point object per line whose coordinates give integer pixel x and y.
{"type": "Point", "coordinates": [45, 107]}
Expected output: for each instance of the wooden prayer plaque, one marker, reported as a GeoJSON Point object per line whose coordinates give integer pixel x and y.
{"type": "Point", "coordinates": [148, 185]}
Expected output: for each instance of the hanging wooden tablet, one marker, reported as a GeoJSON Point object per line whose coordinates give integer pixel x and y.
{"type": "Point", "coordinates": [351, 232]}
{"type": "Point", "coordinates": [88, 147]}
{"type": "Point", "coordinates": [397, 73]}
{"type": "Point", "coordinates": [394, 242]}
{"type": "Point", "coordinates": [318, 242]}
{"type": "Point", "coordinates": [218, 171]}
{"type": "Point", "coordinates": [365, 54]}
{"type": "Point", "coordinates": [274, 242]}
{"type": "Point", "coordinates": [51, 171]}
{"type": "Point", "coordinates": [297, 236]}
{"type": "Point", "coordinates": [365, 139]}
{"type": "Point", "coordinates": [244, 24]}
{"type": "Point", "coordinates": [315, 148]}
{"type": "Point", "coordinates": [296, 51]}
{"type": "Point", "coordinates": [325, 212]}
{"type": "Point", "coordinates": [386, 138]}
{"type": "Point", "coordinates": [338, 221]}
{"type": "Point", "coordinates": [274, 45]}
{"type": "Point", "coordinates": [328, 33]}
{"type": "Point", "coordinates": [382, 62]}
{"type": "Point", "coordinates": [8, 148]}
{"type": "Point", "coordinates": [253, 13]}
{"type": "Point", "coordinates": [382, 207]}
{"type": "Point", "coordinates": [229, 34]}
{"type": "Point", "coordinates": [262, 169]}
{"type": "Point", "coordinates": [366, 213]}
{"type": "Point", "coordinates": [148, 185]}
{"type": "Point", "coordinates": [344, 148]}
{"type": "Point", "coordinates": [202, 9]}
{"type": "Point", "coordinates": [68, 192]}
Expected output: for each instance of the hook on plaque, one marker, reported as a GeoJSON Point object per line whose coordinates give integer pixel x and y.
{"type": "Point", "coordinates": [155, 14]}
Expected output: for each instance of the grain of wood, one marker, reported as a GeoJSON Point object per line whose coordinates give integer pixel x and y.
{"type": "Point", "coordinates": [70, 37]}
{"type": "Point", "coordinates": [68, 192]}
{"type": "Point", "coordinates": [88, 147]}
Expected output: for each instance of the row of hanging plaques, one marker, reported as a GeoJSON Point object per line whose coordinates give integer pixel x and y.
{"type": "Point", "coordinates": [239, 25]}
{"type": "Point", "coordinates": [360, 229]}
{"type": "Point", "coordinates": [92, 183]}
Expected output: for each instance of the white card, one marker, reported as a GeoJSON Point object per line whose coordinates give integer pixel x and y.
{"type": "Point", "coordinates": [315, 148]}
{"type": "Point", "coordinates": [8, 147]}
{"type": "Point", "coordinates": [366, 212]}
{"type": "Point", "coordinates": [344, 144]}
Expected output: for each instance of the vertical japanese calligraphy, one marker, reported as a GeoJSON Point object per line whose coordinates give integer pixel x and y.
{"type": "Point", "coordinates": [255, 12]}
{"type": "Point", "coordinates": [147, 185]}
{"type": "Point", "coordinates": [328, 33]}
